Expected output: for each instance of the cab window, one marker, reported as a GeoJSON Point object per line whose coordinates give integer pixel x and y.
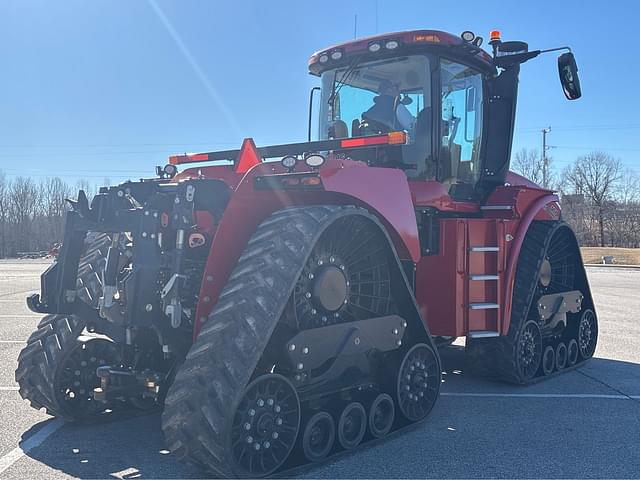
{"type": "Point", "coordinates": [461, 127]}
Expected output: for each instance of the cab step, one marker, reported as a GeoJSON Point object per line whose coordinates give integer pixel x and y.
{"type": "Point", "coordinates": [483, 278]}
{"type": "Point", "coordinates": [484, 306]}
{"type": "Point", "coordinates": [484, 334]}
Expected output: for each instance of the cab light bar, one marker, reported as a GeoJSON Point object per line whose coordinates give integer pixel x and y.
{"type": "Point", "coordinates": [391, 138]}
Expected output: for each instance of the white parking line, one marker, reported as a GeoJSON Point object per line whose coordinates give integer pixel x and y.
{"type": "Point", "coordinates": [13, 341]}
{"type": "Point", "coordinates": [8, 389]}
{"type": "Point", "coordinates": [29, 444]}
{"type": "Point", "coordinates": [21, 316]}
{"type": "Point", "coordinates": [541, 395]}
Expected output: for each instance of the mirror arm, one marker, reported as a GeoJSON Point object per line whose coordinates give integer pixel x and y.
{"type": "Point", "coordinates": [555, 49]}
{"type": "Point", "coordinates": [313, 90]}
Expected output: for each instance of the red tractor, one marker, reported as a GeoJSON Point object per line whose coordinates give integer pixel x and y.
{"type": "Point", "coordinates": [282, 311]}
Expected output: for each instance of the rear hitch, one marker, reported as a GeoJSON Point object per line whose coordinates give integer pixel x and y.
{"type": "Point", "coordinates": [123, 383]}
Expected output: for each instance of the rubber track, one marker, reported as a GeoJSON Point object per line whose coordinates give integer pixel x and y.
{"type": "Point", "coordinates": [201, 403]}
{"type": "Point", "coordinates": [496, 357]}
{"type": "Point", "coordinates": [38, 361]}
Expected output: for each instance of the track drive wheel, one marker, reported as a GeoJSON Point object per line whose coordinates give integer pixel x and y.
{"type": "Point", "coordinates": [318, 437]}
{"type": "Point", "coordinates": [418, 382]}
{"type": "Point", "coordinates": [265, 426]}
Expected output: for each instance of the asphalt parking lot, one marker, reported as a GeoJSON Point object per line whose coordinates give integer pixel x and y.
{"type": "Point", "coordinates": [585, 423]}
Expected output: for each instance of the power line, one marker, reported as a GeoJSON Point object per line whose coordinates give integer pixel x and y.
{"type": "Point", "coordinates": [584, 127]}
{"type": "Point", "coordinates": [114, 145]}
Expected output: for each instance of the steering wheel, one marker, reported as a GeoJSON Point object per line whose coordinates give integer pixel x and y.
{"type": "Point", "coordinates": [373, 127]}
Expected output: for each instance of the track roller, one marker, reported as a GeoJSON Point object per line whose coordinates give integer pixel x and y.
{"type": "Point", "coordinates": [572, 352]}
{"type": "Point", "coordinates": [561, 356]}
{"type": "Point", "coordinates": [318, 437]}
{"type": "Point", "coordinates": [381, 415]}
{"type": "Point", "coordinates": [265, 426]}
{"type": "Point", "coordinates": [548, 360]}
{"type": "Point", "coordinates": [418, 382]}
{"type": "Point", "coordinates": [352, 425]}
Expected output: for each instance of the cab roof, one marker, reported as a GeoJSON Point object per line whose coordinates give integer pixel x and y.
{"type": "Point", "coordinates": [402, 43]}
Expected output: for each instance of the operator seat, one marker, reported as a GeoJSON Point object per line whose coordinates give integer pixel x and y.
{"type": "Point", "coordinates": [417, 152]}
{"type": "Point", "coordinates": [338, 129]}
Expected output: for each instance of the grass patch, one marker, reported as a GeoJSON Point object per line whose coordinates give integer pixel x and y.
{"type": "Point", "coordinates": [622, 256]}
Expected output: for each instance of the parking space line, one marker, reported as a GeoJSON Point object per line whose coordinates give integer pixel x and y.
{"type": "Point", "coordinates": [29, 444]}
{"type": "Point", "coordinates": [21, 316]}
{"type": "Point", "coordinates": [13, 341]}
{"type": "Point", "coordinates": [9, 389]}
{"type": "Point", "coordinates": [541, 395]}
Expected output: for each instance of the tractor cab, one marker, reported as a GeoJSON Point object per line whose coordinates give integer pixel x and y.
{"type": "Point", "coordinates": [453, 100]}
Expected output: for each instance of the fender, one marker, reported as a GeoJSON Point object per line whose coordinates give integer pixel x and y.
{"type": "Point", "coordinates": [382, 191]}
{"type": "Point", "coordinates": [537, 210]}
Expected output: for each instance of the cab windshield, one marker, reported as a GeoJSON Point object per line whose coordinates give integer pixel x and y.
{"type": "Point", "coordinates": [378, 97]}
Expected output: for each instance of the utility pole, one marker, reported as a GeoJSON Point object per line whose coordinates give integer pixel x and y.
{"type": "Point", "coordinates": [545, 162]}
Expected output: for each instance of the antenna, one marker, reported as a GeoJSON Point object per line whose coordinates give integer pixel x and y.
{"type": "Point", "coordinates": [376, 15]}
{"type": "Point", "coordinates": [355, 26]}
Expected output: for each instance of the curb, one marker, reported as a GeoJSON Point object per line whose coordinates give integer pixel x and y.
{"type": "Point", "coordinates": [612, 265]}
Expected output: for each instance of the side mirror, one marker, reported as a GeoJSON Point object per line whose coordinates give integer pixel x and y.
{"type": "Point", "coordinates": [568, 71]}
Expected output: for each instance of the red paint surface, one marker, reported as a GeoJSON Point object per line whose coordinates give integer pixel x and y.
{"type": "Point", "coordinates": [443, 286]}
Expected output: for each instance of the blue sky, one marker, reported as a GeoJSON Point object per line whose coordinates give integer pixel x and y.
{"type": "Point", "coordinates": [111, 88]}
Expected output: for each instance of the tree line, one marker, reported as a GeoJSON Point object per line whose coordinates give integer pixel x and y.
{"type": "Point", "coordinates": [32, 213]}
{"type": "Point", "coordinates": [600, 198]}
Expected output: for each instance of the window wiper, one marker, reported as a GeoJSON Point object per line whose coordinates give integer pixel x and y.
{"type": "Point", "coordinates": [338, 84]}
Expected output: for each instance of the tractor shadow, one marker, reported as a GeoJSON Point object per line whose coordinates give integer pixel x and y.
{"type": "Point", "coordinates": [134, 447]}
{"type": "Point", "coordinates": [121, 448]}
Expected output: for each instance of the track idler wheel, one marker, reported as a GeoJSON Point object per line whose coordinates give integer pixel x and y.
{"type": "Point", "coordinates": [418, 382]}
{"type": "Point", "coordinates": [561, 356]}
{"type": "Point", "coordinates": [265, 426]}
{"type": "Point", "coordinates": [529, 350]}
{"type": "Point", "coordinates": [318, 437]}
{"type": "Point", "coordinates": [381, 415]}
{"type": "Point", "coordinates": [587, 334]}
{"type": "Point", "coordinates": [572, 352]}
{"type": "Point", "coordinates": [548, 360]}
{"type": "Point", "coordinates": [352, 425]}
{"type": "Point", "coordinates": [76, 377]}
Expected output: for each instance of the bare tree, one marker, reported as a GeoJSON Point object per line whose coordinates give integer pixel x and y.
{"type": "Point", "coordinates": [4, 214]}
{"type": "Point", "coordinates": [23, 207]}
{"type": "Point", "coordinates": [530, 164]}
{"type": "Point", "coordinates": [628, 188]}
{"type": "Point", "coordinates": [595, 175]}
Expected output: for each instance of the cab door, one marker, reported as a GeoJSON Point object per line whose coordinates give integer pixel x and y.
{"type": "Point", "coordinates": [460, 128]}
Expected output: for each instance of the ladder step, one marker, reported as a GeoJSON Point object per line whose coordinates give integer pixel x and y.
{"type": "Point", "coordinates": [483, 334]}
{"type": "Point", "coordinates": [485, 249]}
{"type": "Point", "coordinates": [484, 277]}
{"type": "Point", "coordinates": [496, 207]}
{"type": "Point", "coordinates": [484, 306]}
